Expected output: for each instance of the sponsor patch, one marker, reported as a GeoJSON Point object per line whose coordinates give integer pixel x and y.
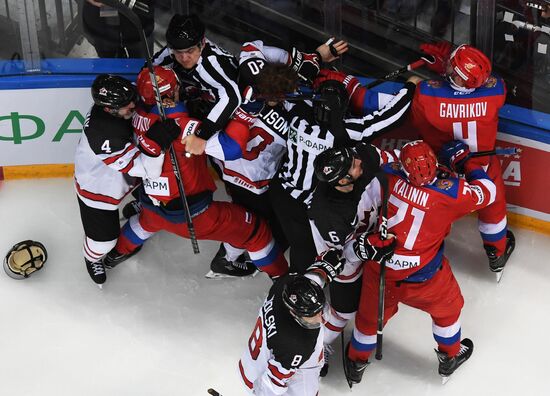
{"type": "Point", "coordinates": [400, 262]}
{"type": "Point", "coordinates": [159, 187]}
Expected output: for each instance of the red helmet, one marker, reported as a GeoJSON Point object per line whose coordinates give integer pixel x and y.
{"type": "Point", "coordinates": [471, 65]}
{"type": "Point", "coordinates": [418, 162]}
{"type": "Point", "coordinates": [167, 82]}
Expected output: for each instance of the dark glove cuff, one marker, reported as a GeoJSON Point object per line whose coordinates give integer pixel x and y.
{"type": "Point", "coordinates": [207, 129]}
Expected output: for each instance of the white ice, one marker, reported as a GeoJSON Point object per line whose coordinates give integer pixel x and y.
{"type": "Point", "coordinates": [159, 328]}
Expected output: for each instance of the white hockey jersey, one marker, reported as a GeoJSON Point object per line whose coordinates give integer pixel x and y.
{"type": "Point", "coordinates": [267, 143]}
{"type": "Point", "coordinates": [107, 162]}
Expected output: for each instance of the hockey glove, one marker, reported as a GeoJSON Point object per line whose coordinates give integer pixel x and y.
{"type": "Point", "coordinates": [306, 65]}
{"type": "Point", "coordinates": [454, 155]}
{"type": "Point", "coordinates": [437, 56]}
{"type": "Point", "coordinates": [163, 133]}
{"type": "Point", "coordinates": [198, 108]}
{"type": "Point", "coordinates": [350, 82]}
{"type": "Point", "coordinates": [328, 265]}
{"type": "Point", "coordinates": [370, 246]}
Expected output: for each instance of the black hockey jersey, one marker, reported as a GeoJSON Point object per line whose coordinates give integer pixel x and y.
{"type": "Point", "coordinates": [278, 347]}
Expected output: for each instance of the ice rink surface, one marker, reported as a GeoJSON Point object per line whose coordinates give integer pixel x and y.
{"type": "Point", "coordinates": [159, 328]}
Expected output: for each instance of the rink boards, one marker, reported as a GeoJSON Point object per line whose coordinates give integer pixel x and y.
{"type": "Point", "coordinates": [41, 119]}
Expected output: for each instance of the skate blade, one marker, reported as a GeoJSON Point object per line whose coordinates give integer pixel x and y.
{"type": "Point", "coordinates": [216, 275]}
{"type": "Point", "coordinates": [499, 275]}
{"type": "Point", "coordinates": [444, 380]}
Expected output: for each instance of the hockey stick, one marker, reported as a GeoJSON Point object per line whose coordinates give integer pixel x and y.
{"type": "Point", "coordinates": [497, 151]}
{"type": "Point", "coordinates": [394, 74]}
{"type": "Point", "coordinates": [125, 8]}
{"type": "Point", "coordinates": [382, 283]}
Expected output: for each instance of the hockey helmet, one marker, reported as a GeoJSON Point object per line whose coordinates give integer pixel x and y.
{"type": "Point", "coordinates": [113, 91]}
{"type": "Point", "coordinates": [184, 31]}
{"type": "Point", "coordinates": [25, 258]}
{"type": "Point", "coordinates": [419, 162]}
{"type": "Point", "coordinates": [303, 298]}
{"type": "Point", "coordinates": [471, 65]}
{"type": "Point", "coordinates": [333, 164]}
{"type": "Point", "coordinates": [167, 82]}
{"type": "Point", "coordinates": [333, 98]}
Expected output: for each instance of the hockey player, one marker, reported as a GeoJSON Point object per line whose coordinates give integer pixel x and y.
{"type": "Point", "coordinates": [285, 354]}
{"type": "Point", "coordinates": [341, 207]}
{"type": "Point", "coordinates": [107, 165]}
{"type": "Point", "coordinates": [465, 106]}
{"type": "Point", "coordinates": [162, 205]}
{"type": "Point", "coordinates": [204, 69]}
{"type": "Point", "coordinates": [266, 74]}
{"type": "Point", "coordinates": [313, 128]}
{"type": "Point", "coordinates": [421, 209]}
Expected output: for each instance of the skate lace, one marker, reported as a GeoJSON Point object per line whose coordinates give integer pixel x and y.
{"type": "Point", "coordinates": [463, 350]}
{"type": "Point", "coordinates": [97, 268]}
{"type": "Point", "coordinates": [239, 264]}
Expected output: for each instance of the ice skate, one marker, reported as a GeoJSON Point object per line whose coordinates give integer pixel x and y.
{"type": "Point", "coordinates": [220, 267]}
{"type": "Point", "coordinates": [114, 258]}
{"type": "Point", "coordinates": [354, 369]}
{"type": "Point", "coordinates": [97, 272]}
{"type": "Point", "coordinates": [448, 365]}
{"type": "Point", "coordinates": [497, 263]}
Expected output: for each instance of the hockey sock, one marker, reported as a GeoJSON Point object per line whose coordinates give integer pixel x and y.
{"type": "Point", "coordinates": [232, 253]}
{"type": "Point", "coordinates": [335, 323]}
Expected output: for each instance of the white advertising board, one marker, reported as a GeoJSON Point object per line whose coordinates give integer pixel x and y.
{"type": "Point", "coordinates": [41, 126]}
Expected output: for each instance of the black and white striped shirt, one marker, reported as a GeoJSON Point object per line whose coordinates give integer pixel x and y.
{"type": "Point", "coordinates": [306, 139]}
{"type": "Point", "coordinates": [215, 73]}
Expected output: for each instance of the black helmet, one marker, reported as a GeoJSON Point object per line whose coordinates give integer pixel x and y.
{"type": "Point", "coordinates": [113, 91]}
{"type": "Point", "coordinates": [333, 164]}
{"type": "Point", "coordinates": [333, 98]}
{"type": "Point", "coordinates": [303, 298]}
{"type": "Point", "coordinates": [184, 31]}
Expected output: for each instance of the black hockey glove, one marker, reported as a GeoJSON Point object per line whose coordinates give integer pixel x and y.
{"type": "Point", "coordinates": [199, 108]}
{"type": "Point", "coordinates": [328, 265]}
{"type": "Point", "coordinates": [306, 65]}
{"type": "Point", "coordinates": [370, 246]}
{"type": "Point", "coordinates": [163, 133]}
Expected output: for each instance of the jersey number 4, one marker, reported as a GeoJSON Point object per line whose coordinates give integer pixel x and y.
{"type": "Point", "coordinates": [402, 212]}
{"type": "Point", "coordinates": [466, 132]}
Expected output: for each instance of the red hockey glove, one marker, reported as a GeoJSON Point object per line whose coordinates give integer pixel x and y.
{"type": "Point", "coordinates": [328, 264]}
{"type": "Point", "coordinates": [306, 65]}
{"type": "Point", "coordinates": [437, 56]}
{"type": "Point", "coordinates": [370, 246]}
{"type": "Point", "coordinates": [350, 82]}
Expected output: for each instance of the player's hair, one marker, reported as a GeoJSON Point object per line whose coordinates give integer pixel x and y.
{"type": "Point", "coordinates": [276, 80]}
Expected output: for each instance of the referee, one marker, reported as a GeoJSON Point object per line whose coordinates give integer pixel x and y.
{"type": "Point", "coordinates": [204, 69]}
{"type": "Point", "coordinates": [313, 128]}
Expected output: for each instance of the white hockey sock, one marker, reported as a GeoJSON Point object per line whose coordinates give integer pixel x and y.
{"type": "Point", "coordinates": [231, 252]}
{"type": "Point", "coordinates": [335, 322]}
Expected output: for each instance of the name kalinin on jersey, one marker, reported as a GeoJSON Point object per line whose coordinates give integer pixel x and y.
{"type": "Point", "coordinates": [411, 193]}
